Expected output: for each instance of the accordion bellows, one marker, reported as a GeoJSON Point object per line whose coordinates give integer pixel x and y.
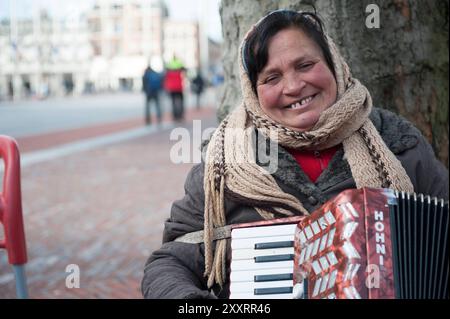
{"type": "Point", "coordinates": [364, 243]}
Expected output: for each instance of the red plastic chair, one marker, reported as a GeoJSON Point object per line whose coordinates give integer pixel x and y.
{"type": "Point", "coordinates": [11, 213]}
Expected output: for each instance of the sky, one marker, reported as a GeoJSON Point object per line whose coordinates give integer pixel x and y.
{"type": "Point", "coordinates": [186, 10]}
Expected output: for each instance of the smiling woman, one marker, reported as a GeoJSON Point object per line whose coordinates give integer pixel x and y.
{"type": "Point", "coordinates": [298, 92]}
{"type": "Point", "coordinates": [296, 84]}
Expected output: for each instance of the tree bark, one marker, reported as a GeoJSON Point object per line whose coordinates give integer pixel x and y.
{"type": "Point", "coordinates": [403, 63]}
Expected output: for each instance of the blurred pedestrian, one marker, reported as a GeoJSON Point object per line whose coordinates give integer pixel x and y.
{"type": "Point", "coordinates": [197, 87]}
{"type": "Point", "coordinates": [173, 84]}
{"type": "Point", "coordinates": [152, 85]}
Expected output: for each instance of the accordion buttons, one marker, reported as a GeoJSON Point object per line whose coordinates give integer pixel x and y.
{"type": "Point", "coordinates": [312, 200]}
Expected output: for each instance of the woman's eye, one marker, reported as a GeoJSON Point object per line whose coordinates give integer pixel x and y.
{"type": "Point", "coordinates": [270, 79]}
{"type": "Point", "coordinates": [305, 66]}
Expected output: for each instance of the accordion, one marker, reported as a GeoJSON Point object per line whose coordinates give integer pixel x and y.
{"type": "Point", "coordinates": [364, 243]}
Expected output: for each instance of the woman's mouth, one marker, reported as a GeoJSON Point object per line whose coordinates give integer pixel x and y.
{"type": "Point", "coordinates": [302, 103]}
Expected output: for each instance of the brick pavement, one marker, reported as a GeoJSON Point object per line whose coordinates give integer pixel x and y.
{"type": "Point", "coordinates": [103, 210]}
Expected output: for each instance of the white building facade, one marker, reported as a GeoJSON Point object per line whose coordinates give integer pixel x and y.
{"type": "Point", "coordinates": [105, 48]}
{"type": "Point", "coordinates": [126, 36]}
{"type": "Point", "coordinates": [41, 56]}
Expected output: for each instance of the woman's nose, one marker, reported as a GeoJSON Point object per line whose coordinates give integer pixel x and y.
{"type": "Point", "coordinates": [293, 84]}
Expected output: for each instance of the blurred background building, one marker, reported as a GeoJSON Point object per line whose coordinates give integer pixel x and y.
{"type": "Point", "coordinates": [104, 48]}
{"type": "Point", "coordinates": [40, 56]}
{"type": "Point", "coordinates": [125, 37]}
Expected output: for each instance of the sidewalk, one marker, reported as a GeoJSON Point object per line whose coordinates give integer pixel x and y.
{"type": "Point", "coordinates": [102, 209]}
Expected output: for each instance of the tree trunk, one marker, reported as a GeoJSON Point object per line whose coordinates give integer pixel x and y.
{"type": "Point", "coordinates": [403, 63]}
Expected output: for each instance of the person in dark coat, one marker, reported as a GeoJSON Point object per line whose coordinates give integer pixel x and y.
{"type": "Point", "coordinates": [197, 87]}
{"type": "Point", "coordinates": [299, 94]}
{"type": "Point", "coordinates": [152, 85]}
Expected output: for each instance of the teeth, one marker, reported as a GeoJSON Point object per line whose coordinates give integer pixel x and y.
{"type": "Point", "coordinates": [302, 102]}
{"type": "Point", "coordinates": [306, 100]}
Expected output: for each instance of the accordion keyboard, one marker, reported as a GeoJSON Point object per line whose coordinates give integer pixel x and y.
{"type": "Point", "coordinates": [262, 262]}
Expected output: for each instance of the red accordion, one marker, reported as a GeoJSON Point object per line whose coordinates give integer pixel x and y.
{"type": "Point", "coordinates": [364, 243]}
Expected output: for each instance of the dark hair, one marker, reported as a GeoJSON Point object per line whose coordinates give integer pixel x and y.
{"type": "Point", "coordinates": [255, 50]}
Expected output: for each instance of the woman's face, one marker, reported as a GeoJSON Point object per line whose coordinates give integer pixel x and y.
{"type": "Point", "coordinates": [296, 85]}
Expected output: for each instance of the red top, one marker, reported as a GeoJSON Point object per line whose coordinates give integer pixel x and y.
{"type": "Point", "coordinates": [313, 163]}
{"type": "Point", "coordinates": [173, 81]}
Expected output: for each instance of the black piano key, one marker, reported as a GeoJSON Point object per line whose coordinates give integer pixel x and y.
{"type": "Point", "coordinates": [274, 277]}
{"type": "Point", "coordinates": [275, 244]}
{"type": "Point", "coordinates": [273, 258]}
{"type": "Point", "coordinates": [273, 291]}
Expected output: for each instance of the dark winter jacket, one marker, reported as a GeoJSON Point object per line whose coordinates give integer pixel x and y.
{"type": "Point", "coordinates": [176, 269]}
{"type": "Point", "coordinates": [151, 82]}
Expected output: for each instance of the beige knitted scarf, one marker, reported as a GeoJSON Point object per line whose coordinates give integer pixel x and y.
{"type": "Point", "coordinates": [230, 166]}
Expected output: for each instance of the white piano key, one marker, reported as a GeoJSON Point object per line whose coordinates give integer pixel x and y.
{"type": "Point", "coordinates": [331, 237]}
{"type": "Point", "coordinates": [250, 242]}
{"type": "Point", "coordinates": [332, 296]}
{"type": "Point", "coordinates": [250, 265]}
{"type": "Point", "coordinates": [264, 231]}
{"type": "Point", "coordinates": [330, 218]}
{"type": "Point", "coordinates": [242, 287]}
{"type": "Point", "coordinates": [315, 227]}
{"type": "Point", "coordinates": [249, 275]}
{"type": "Point", "coordinates": [323, 242]}
{"type": "Point", "coordinates": [238, 254]}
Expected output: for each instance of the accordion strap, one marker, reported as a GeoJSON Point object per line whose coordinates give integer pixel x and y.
{"type": "Point", "coordinates": [196, 237]}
